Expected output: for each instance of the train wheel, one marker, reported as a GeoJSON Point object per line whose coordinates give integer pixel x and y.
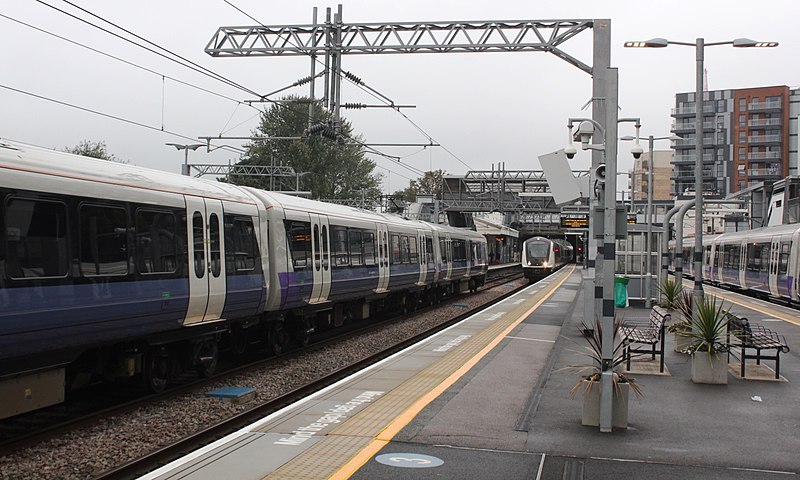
{"type": "Point", "coordinates": [303, 335]}
{"type": "Point", "coordinates": [156, 369]}
{"type": "Point", "coordinates": [207, 358]}
{"type": "Point", "coordinates": [277, 337]}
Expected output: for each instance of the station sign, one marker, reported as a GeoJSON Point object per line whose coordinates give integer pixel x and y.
{"type": "Point", "coordinates": [575, 221]}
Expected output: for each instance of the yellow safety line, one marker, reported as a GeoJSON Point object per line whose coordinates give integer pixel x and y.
{"type": "Point", "coordinates": [388, 433]}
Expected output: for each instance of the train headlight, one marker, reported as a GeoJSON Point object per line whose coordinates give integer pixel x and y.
{"type": "Point", "coordinates": [544, 264]}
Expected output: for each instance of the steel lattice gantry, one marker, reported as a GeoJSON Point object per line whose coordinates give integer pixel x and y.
{"type": "Point", "coordinates": [412, 37]}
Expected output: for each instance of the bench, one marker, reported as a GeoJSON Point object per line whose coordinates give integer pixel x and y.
{"type": "Point", "coordinates": [648, 334]}
{"type": "Point", "coordinates": [758, 338]}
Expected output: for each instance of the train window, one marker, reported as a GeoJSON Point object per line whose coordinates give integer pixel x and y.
{"type": "Point", "coordinates": [765, 253]}
{"type": "Point", "coordinates": [404, 250]}
{"type": "Point", "coordinates": [459, 251]}
{"type": "Point", "coordinates": [155, 242]}
{"type": "Point", "coordinates": [199, 247]}
{"type": "Point", "coordinates": [341, 257]}
{"type": "Point", "coordinates": [369, 248]}
{"type": "Point", "coordinates": [36, 239]}
{"type": "Point", "coordinates": [444, 252]}
{"type": "Point", "coordinates": [395, 249]}
{"type": "Point", "coordinates": [215, 250]}
{"type": "Point", "coordinates": [783, 265]}
{"type": "Point", "coordinates": [298, 236]}
{"type": "Point", "coordinates": [412, 250]}
{"type": "Point", "coordinates": [429, 252]}
{"type": "Point", "coordinates": [103, 240]}
{"type": "Point", "coordinates": [325, 250]}
{"type": "Point", "coordinates": [316, 250]}
{"type": "Point", "coordinates": [241, 247]}
{"type": "Point", "coordinates": [356, 248]}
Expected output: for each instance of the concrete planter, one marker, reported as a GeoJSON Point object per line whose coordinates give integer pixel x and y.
{"type": "Point", "coordinates": [591, 405]}
{"type": "Point", "coordinates": [710, 369]}
{"type": "Point", "coordinates": [682, 342]}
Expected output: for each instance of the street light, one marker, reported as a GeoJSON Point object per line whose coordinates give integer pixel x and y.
{"type": "Point", "coordinates": [698, 168]}
{"type": "Point", "coordinates": [648, 287]}
{"type": "Point", "coordinates": [186, 148]}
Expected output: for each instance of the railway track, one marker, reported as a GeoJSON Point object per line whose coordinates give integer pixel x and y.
{"type": "Point", "coordinates": [103, 401]}
{"type": "Point", "coordinates": [140, 466]}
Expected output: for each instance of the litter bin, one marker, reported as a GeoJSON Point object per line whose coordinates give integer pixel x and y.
{"type": "Point", "coordinates": [621, 291]}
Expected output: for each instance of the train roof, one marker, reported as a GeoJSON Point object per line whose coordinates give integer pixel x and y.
{"type": "Point", "coordinates": [760, 233]}
{"type": "Point", "coordinates": [38, 160]}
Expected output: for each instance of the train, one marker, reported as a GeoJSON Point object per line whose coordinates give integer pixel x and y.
{"type": "Point", "coordinates": [763, 261]}
{"type": "Point", "coordinates": [542, 256]}
{"type": "Point", "coordinates": [112, 271]}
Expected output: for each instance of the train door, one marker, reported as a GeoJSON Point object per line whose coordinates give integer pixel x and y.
{"type": "Point", "coordinates": [383, 257]}
{"type": "Point", "coordinates": [447, 256]}
{"type": "Point", "coordinates": [320, 252]}
{"type": "Point", "coordinates": [206, 260]}
{"type": "Point", "coordinates": [742, 263]}
{"type": "Point", "coordinates": [774, 262]}
{"type": "Point", "coordinates": [422, 252]}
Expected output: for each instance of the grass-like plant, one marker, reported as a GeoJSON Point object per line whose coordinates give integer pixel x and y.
{"type": "Point", "coordinates": [683, 304]}
{"type": "Point", "coordinates": [670, 290]}
{"type": "Point", "coordinates": [708, 327]}
{"type": "Point", "coordinates": [591, 372]}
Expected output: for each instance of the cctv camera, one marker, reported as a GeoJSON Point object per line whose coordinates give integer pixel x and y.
{"type": "Point", "coordinates": [636, 151]}
{"type": "Point", "coordinates": [584, 133]}
{"type": "Point", "coordinates": [570, 151]}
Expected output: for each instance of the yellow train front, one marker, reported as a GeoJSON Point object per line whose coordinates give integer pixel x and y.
{"type": "Point", "coordinates": [542, 256]}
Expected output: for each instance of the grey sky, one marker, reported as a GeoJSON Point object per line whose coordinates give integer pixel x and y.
{"type": "Point", "coordinates": [485, 108]}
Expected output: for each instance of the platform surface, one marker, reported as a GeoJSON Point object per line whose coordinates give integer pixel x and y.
{"type": "Point", "coordinates": [490, 399]}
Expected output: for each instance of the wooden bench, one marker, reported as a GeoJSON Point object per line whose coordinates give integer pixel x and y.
{"type": "Point", "coordinates": [649, 333]}
{"type": "Point", "coordinates": [758, 338]}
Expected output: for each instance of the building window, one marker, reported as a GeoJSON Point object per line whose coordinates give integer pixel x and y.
{"type": "Point", "coordinates": [742, 120]}
{"type": "Point", "coordinates": [741, 153]}
{"type": "Point", "coordinates": [742, 104]}
{"type": "Point", "coordinates": [742, 137]}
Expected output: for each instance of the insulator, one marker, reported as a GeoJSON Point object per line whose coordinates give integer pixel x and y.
{"type": "Point", "coordinates": [318, 128]}
{"type": "Point", "coordinates": [352, 78]}
{"type": "Point", "coordinates": [354, 106]}
{"type": "Point", "coordinates": [302, 81]}
{"type": "Point", "coordinates": [329, 133]}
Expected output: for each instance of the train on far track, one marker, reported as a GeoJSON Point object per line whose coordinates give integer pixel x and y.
{"type": "Point", "coordinates": [542, 256]}
{"type": "Point", "coordinates": [111, 271]}
{"type": "Point", "coordinates": [763, 261]}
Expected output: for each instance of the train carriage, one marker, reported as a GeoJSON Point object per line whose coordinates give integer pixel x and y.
{"type": "Point", "coordinates": [542, 256]}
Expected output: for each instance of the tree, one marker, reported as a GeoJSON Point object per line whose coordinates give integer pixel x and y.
{"type": "Point", "coordinates": [429, 184]}
{"type": "Point", "coordinates": [330, 168]}
{"type": "Point", "coordinates": [94, 150]}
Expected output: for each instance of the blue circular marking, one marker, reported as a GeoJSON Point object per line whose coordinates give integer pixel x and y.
{"type": "Point", "coordinates": [409, 460]}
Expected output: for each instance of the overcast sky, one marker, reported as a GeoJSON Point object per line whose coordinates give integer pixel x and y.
{"type": "Point", "coordinates": [485, 109]}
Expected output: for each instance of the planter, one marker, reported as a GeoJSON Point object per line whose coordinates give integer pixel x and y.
{"type": "Point", "coordinates": [710, 369]}
{"type": "Point", "coordinates": [682, 342]}
{"type": "Point", "coordinates": [591, 405]}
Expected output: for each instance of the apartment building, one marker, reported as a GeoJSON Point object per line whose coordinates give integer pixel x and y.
{"type": "Point", "coordinates": [747, 135]}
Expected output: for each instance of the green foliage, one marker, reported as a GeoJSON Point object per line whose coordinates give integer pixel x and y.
{"type": "Point", "coordinates": [330, 168]}
{"type": "Point", "coordinates": [708, 327]}
{"type": "Point", "coordinates": [683, 304]}
{"type": "Point", "coordinates": [670, 289]}
{"type": "Point", "coordinates": [594, 351]}
{"type": "Point", "coordinates": [94, 150]}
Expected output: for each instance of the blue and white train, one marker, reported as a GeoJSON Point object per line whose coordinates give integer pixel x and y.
{"type": "Point", "coordinates": [111, 270]}
{"type": "Point", "coordinates": [764, 261]}
{"type": "Point", "coordinates": [542, 256]}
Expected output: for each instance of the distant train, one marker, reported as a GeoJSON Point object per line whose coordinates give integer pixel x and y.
{"type": "Point", "coordinates": [764, 261]}
{"type": "Point", "coordinates": [542, 256]}
{"type": "Point", "coordinates": [110, 270]}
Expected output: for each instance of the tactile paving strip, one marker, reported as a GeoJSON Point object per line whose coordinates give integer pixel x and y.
{"type": "Point", "coordinates": [345, 441]}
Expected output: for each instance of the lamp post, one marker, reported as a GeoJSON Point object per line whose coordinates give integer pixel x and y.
{"type": "Point", "coordinates": [186, 148]}
{"type": "Point", "coordinates": [698, 166]}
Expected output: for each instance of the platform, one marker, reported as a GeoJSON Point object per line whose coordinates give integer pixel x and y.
{"type": "Point", "coordinates": [487, 399]}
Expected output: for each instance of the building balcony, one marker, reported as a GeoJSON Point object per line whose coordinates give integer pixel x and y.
{"type": "Point", "coordinates": [764, 156]}
{"type": "Point", "coordinates": [683, 159]}
{"type": "Point", "coordinates": [764, 172]}
{"type": "Point", "coordinates": [688, 127]}
{"type": "Point", "coordinates": [760, 139]}
{"type": "Point", "coordinates": [708, 141]}
{"type": "Point", "coordinates": [686, 176]}
{"type": "Point", "coordinates": [708, 107]}
{"type": "Point", "coordinates": [765, 122]}
{"type": "Point", "coordinates": [764, 106]}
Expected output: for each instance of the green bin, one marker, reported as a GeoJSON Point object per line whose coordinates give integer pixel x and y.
{"type": "Point", "coordinates": [621, 291]}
